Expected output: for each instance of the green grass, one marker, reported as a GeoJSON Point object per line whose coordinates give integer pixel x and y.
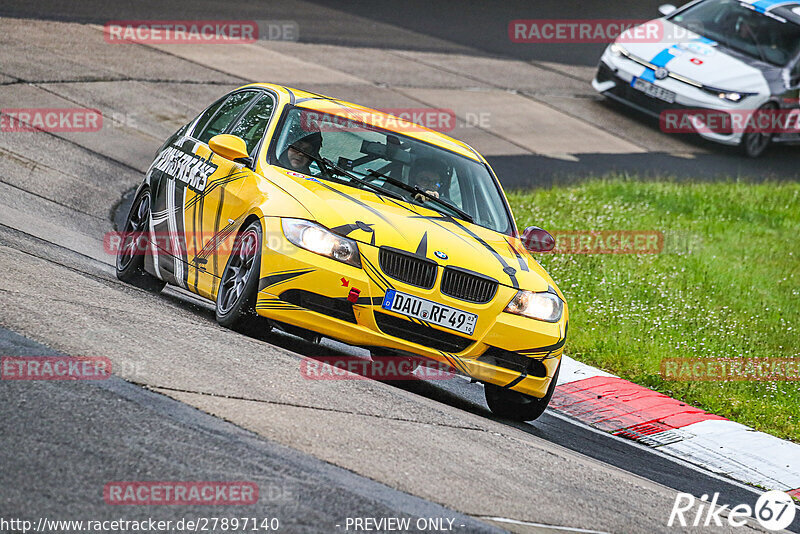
{"type": "Point", "coordinates": [726, 285]}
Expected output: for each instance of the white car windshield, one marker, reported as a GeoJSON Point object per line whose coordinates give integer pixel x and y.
{"type": "Point", "coordinates": [766, 37]}
{"type": "Point", "coordinates": [312, 143]}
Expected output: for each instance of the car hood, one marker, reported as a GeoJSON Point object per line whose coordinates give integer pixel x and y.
{"type": "Point", "coordinates": [700, 59]}
{"type": "Point", "coordinates": [379, 221]}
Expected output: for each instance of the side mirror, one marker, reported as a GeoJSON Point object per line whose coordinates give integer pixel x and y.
{"type": "Point", "coordinates": [537, 240]}
{"type": "Point", "coordinates": [230, 147]}
{"type": "Point", "coordinates": [667, 9]}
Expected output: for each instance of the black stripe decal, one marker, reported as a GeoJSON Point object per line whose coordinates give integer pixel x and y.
{"type": "Point", "coordinates": [360, 203]}
{"type": "Point", "coordinates": [232, 177]}
{"type": "Point", "coordinates": [216, 231]}
{"type": "Point", "coordinates": [277, 278]}
{"type": "Point", "coordinates": [515, 381]}
{"type": "Point", "coordinates": [522, 263]}
{"type": "Point", "coordinates": [422, 248]}
{"type": "Point", "coordinates": [488, 247]}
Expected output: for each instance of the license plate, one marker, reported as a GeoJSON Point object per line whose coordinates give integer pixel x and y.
{"type": "Point", "coordinates": [653, 90]}
{"type": "Point", "coordinates": [429, 311]}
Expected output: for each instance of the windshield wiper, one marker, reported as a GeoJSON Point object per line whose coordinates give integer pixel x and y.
{"type": "Point", "coordinates": [331, 168]}
{"type": "Point", "coordinates": [418, 191]}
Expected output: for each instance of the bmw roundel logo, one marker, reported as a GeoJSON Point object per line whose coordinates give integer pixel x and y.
{"type": "Point", "coordinates": [661, 73]}
{"type": "Point", "coordinates": [441, 255]}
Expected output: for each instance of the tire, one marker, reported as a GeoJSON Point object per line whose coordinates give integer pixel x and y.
{"type": "Point", "coordinates": [131, 253]}
{"type": "Point", "coordinates": [518, 406]}
{"type": "Point", "coordinates": [755, 144]}
{"type": "Point", "coordinates": [238, 288]}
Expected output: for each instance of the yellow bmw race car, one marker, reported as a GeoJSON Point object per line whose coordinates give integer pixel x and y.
{"type": "Point", "coordinates": [337, 219]}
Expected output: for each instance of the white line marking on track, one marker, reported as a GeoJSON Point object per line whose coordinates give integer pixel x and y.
{"type": "Point", "coordinates": [541, 525]}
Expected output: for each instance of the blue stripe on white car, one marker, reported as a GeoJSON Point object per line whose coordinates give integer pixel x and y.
{"type": "Point", "coordinates": [665, 56]}
{"type": "Point", "coordinates": [762, 6]}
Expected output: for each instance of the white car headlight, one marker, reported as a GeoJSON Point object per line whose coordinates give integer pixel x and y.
{"type": "Point", "coordinates": [733, 97]}
{"type": "Point", "coordinates": [542, 306]}
{"type": "Point", "coordinates": [617, 50]}
{"type": "Point", "coordinates": [319, 240]}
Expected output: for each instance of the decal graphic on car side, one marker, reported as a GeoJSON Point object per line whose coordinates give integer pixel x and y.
{"type": "Point", "coordinates": [184, 166]}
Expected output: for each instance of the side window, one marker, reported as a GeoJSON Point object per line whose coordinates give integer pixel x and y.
{"type": "Point", "coordinates": [205, 117]}
{"type": "Point", "coordinates": [252, 125]}
{"type": "Point", "coordinates": [227, 113]}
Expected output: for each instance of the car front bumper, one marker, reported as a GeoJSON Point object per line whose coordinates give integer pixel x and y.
{"type": "Point", "coordinates": [310, 291]}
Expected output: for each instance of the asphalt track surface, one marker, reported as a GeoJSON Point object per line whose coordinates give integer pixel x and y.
{"type": "Point", "coordinates": [352, 449]}
{"type": "Point", "coordinates": [112, 430]}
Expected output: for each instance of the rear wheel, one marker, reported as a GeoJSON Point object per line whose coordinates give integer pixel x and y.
{"type": "Point", "coordinates": [131, 253]}
{"type": "Point", "coordinates": [755, 143]}
{"type": "Point", "coordinates": [518, 406]}
{"type": "Point", "coordinates": [236, 297]}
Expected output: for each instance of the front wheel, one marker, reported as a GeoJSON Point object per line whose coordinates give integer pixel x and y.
{"type": "Point", "coordinates": [755, 143]}
{"type": "Point", "coordinates": [518, 406]}
{"type": "Point", "coordinates": [131, 253]}
{"type": "Point", "coordinates": [236, 297]}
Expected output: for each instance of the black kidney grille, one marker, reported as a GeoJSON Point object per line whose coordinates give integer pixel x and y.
{"type": "Point", "coordinates": [467, 286]}
{"type": "Point", "coordinates": [407, 268]}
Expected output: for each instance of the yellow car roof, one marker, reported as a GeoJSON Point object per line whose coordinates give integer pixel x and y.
{"type": "Point", "coordinates": [372, 117]}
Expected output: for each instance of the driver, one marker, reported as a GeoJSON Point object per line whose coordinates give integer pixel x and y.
{"type": "Point", "coordinates": [293, 157]}
{"type": "Point", "coordinates": [430, 175]}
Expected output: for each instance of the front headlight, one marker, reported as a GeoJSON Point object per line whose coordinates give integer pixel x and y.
{"type": "Point", "coordinates": [543, 306]}
{"type": "Point", "coordinates": [617, 50]}
{"type": "Point", "coordinates": [319, 240]}
{"type": "Point", "coordinates": [732, 97]}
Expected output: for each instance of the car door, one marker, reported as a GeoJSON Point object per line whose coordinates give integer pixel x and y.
{"type": "Point", "coordinates": [216, 216]}
{"type": "Point", "coordinates": [187, 181]}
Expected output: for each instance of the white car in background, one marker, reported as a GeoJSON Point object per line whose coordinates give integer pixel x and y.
{"type": "Point", "coordinates": [722, 58]}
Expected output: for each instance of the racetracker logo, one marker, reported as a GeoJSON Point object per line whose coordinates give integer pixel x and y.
{"type": "Point", "coordinates": [395, 119]}
{"type": "Point", "coordinates": [180, 493]}
{"type": "Point", "coordinates": [730, 369]}
{"type": "Point", "coordinates": [380, 368]}
{"type": "Point", "coordinates": [739, 121]}
{"type": "Point", "coordinates": [181, 31]}
{"type": "Point", "coordinates": [200, 31]}
{"type": "Point", "coordinates": [622, 31]}
{"type": "Point", "coordinates": [775, 510]}
{"type": "Point", "coordinates": [598, 242]}
{"type": "Point", "coordinates": [50, 120]}
{"type": "Point", "coordinates": [54, 368]}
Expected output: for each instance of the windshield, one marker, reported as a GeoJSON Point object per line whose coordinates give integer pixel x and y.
{"type": "Point", "coordinates": [309, 139]}
{"type": "Point", "coordinates": [761, 36]}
